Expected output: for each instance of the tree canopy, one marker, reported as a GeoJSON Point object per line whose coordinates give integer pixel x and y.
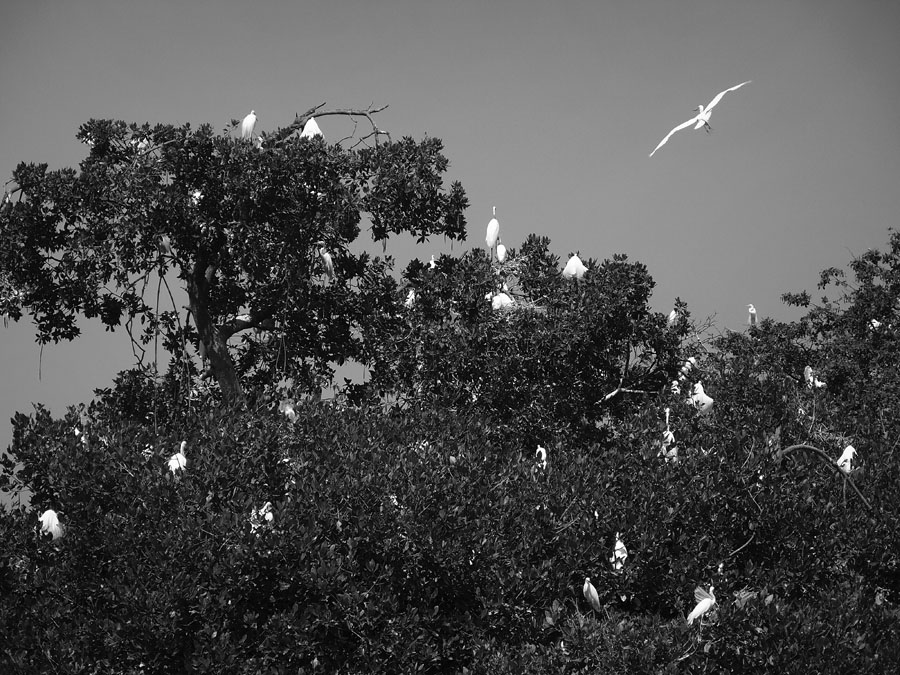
{"type": "Point", "coordinates": [221, 519]}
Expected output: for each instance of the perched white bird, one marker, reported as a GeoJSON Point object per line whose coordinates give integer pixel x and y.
{"type": "Point", "coordinates": [751, 315]}
{"type": "Point", "coordinates": [50, 523]}
{"type": "Point", "coordinates": [501, 251]}
{"type": "Point", "coordinates": [590, 594]}
{"type": "Point", "coordinates": [196, 196]}
{"type": "Point", "coordinates": [432, 263]}
{"type": "Point", "coordinates": [700, 400]}
{"type": "Point", "coordinates": [310, 129]}
{"type": "Point", "coordinates": [702, 117]}
{"type": "Point", "coordinates": [501, 300]}
{"type": "Point", "coordinates": [619, 554]}
{"type": "Point", "coordinates": [287, 407]}
{"type": "Point", "coordinates": [811, 379]}
{"type": "Point", "coordinates": [541, 454]}
{"type": "Point", "coordinates": [493, 232]}
{"type": "Point", "coordinates": [673, 317]}
{"type": "Point", "coordinates": [874, 324]}
{"type": "Point", "coordinates": [686, 367]}
{"type": "Point", "coordinates": [248, 125]}
{"type": "Point", "coordinates": [261, 518]}
{"type": "Point", "coordinates": [705, 602]}
{"type": "Point", "coordinates": [845, 461]}
{"type": "Point", "coordinates": [410, 298]}
{"type": "Point", "coordinates": [574, 268]}
{"type": "Point", "coordinates": [326, 260]}
{"type": "Point", "coordinates": [178, 460]}
{"type": "Point", "coordinates": [165, 245]}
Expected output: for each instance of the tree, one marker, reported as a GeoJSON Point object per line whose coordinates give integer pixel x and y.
{"type": "Point", "coordinates": [244, 226]}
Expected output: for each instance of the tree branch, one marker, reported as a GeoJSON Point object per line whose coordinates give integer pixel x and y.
{"type": "Point", "coordinates": [300, 121]}
{"type": "Point", "coordinates": [825, 458]}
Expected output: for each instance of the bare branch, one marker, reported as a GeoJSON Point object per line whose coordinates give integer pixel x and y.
{"type": "Point", "coordinates": [827, 460]}
{"type": "Point", "coordinates": [300, 121]}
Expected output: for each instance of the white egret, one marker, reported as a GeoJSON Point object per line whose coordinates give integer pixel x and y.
{"type": "Point", "coordinates": [686, 367]}
{"type": "Point", "coordinates": [196, 196]}
{"type": "Point", "coordinates": [432, 263]}
{"type": "Point", "coordinates": [248, 125]}
{"type": "Point", "coordinates": [165, 245]}
{"type": "Point", "coordinates": [751, 317]}
{"type": "Point", "coordinates": [326, 260]}
{"type": "Point", "coordinates": [699, 399]}
{"type": "Point", "coordinates": [673, 317]}
{"type": "Point", "coordinates": [501, 300]}
{"type": "Point", "coordinates": [541, 454]}
{"type": "Point", "coordinates": [590, 594]}
{"type": "Point", "coordinates": [811, 379]}
{"type": "Point", "coordinates": [287, 407]}
{"type": "Point", "coordinates": [410, 298]}
{"type": "Point", "coordinates": [50, 523]}
{"type": "Point", "coordinates": [619, 554]}
{"type": "Point", "coordinates": [701, 119]}
{"type": "Point", "coordinates": [675, 387]}
{"type": "Point", "coordinates": [874, 324]}
{"type": "Point", "coordinates": [178, 460]}
{"type": "Point", "coordinates": [574, 268]}
{"type": "Point", "coordinates": [493, 232]}
{"type": "Point", "coordinates": [705, 602]}
{"type": "Point", "coordinates": [845, 461]}
{"type": "Point", "coordinates": [501, 251]}
{"type": "Point", "coordinates": [310, 129]}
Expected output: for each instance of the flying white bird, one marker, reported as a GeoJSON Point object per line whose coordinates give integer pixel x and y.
{"type": "Point", "coordinates": [248, 125]}
{"type": "Point", "coordinates": [541, 454]}
{"type": "Point", "coordinates": [178, 460]}
{"type": "Point", "coordinates": [310, 129]}
{"type": "Point", "coordinates": [751, 317]}
{"type": "Point", "coordinates": [702, 117]}
{"type": "Point", "coordinates": [493, 232]}
{"type": "Point", "coordinates": [845, 461]}
{"type": "Point", "coordinates": [590, 594]}
{"type": "Point", "coordinates": [619, 554]}
{"type": "Point", "coordinates": [50, 523]}
{"type": "Point", "coordinates": [501, 251]}
{"type": "Point", "coordinates": [705, 602]}
{"type": "Point", "coordinates": [811, 379]}
{"type": "Point", "coordinates": [699, 399]}
{"type": "Point", "coordinates": [574, 268]}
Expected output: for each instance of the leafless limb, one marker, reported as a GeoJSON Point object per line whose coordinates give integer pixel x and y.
{"type": "Point", "coordinates": [316, 111]}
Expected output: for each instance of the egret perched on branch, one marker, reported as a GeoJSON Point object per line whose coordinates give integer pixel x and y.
{"type": "Point", "coordinates": [432, 263]}
{"type": "Point", "coordinates": [619, 554]}
{"type": "Point", "coordinates": [178, 460]}
{"type": "Point", "coordinates": [705, 602]}
{"type": "Point", "coordinates": [541, 454]}
{"type": "Point", "coordinates": [702, 117]}
{"type": "Point", "coordinates": [248, 125]}
{"type": "Point", "coordinates": [670, 454]}
{"type": "Point", "coordinates": [751, 315]}
{"type": "Point", "coordinates": [673, 317]}
{"type": "Point", "coordinates": [493, 231]}
{"type": "Point", "coordinates": [845, 461]}
{"type": "Point", "coordinates": [326, 260]}
{"type": "Point", "coordinates": [574, 268]}
{"type": "Point", "coordinates": [811, 379]}
{"type": "Point", "coordinates": [501, 251]}
{"type": "Point", "coordinates": [501, 300]}
{"type": "Point", "coordinates": [310, 129]}
{"type": "Point", "coordinates": [590, 594]}
{"type": "Point", "coordinates": [410, 298]}
{"type": "Point", "coordinates": [50, 523]}
{"type": "Point", "coordinates": [699, 399]}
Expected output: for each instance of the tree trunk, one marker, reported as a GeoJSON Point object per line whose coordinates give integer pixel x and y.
{"type": "Point", "coordinates": [220, 361]}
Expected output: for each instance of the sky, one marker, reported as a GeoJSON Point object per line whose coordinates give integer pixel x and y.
{"type": "Point", "coordinates": [548, 111]}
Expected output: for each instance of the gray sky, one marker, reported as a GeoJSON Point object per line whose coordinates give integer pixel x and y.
{"type": "Point", "coordinates": [547, 110]}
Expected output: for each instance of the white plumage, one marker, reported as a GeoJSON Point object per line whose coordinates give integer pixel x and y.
{"type": "Point", "coordinates": [248, 125]}
{"type": "Point", "coordinates": [541, 454]}
{"type": "Point", "coordinates": [619, 554]}
{"type": "Point", "coordinates": [751, 315]}
{"type": "Point", "coordinates": [845, 461]}
{"type": "Point", "coordinates": [701, 119]}
{"type": "Point", "coordinates": [493, 231]}
{"type": "Point", "coordinates": [310, 129]}
{"type": "Point", "coordinates": [501, 251]}
{"type": "Point", "coordinates": [705, 602]}
{"type": "Point", "coordinates": [590, 594]}
{"type": "Point", "coordinates": [50, 523]}
{"type": "Point", "coordinates": [700, 400]}
{"type": "Point", "coordinates": [178, 461]}
{"type": "Point", "coordinates": [574, 268]}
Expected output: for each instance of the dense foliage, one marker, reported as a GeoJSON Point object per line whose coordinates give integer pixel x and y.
{"type": "Point", "coordinates": [407, 525]}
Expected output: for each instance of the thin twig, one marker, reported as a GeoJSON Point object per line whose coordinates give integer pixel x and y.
{"type": "Point", "coordinates": [825, 458]}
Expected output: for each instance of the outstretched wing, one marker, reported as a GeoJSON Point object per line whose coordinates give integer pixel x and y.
{"type": "Point", "coordinates": [678, 128]}
{"type": "Point", "coordinates": [722, 93]}
{"type": "Point", "coordinates": [700, 595]}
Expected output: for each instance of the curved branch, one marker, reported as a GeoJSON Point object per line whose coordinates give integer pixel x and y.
{"type": "Point", "coordinates": [316, 111]}
{"type": "Point", "coordinates": [827, 460]}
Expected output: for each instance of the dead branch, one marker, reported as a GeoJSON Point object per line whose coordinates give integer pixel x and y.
{"type": "Point", "coordinates": [300, 121]}
{"type": "Point", "coordinates": [830, 462]}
